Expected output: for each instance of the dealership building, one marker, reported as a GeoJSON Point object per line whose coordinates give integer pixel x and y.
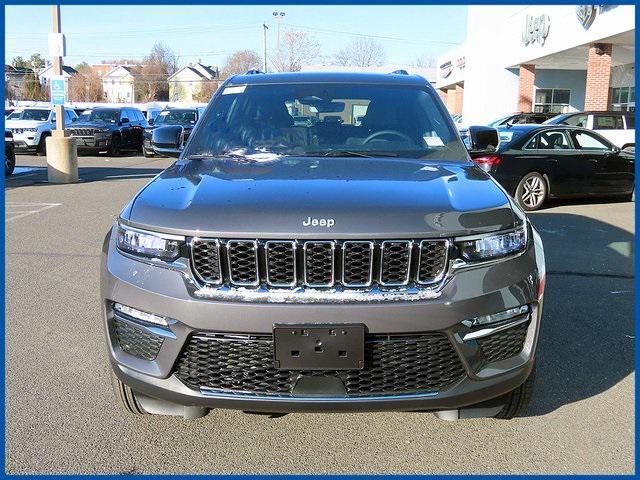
{"type": "Point", "coordinates": [542, 58]}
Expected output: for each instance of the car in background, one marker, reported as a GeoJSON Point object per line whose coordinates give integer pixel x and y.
{"type": "Point", "coordinates": [521, 117]}
{"type": "Point", "coordinates": [184, 117]}
{"type": "Point", "coordinates": [9, 153]}
{"type": "Point", "coordinates": [109, 129]}
{"type": "Point", "coordinates": [31, 126]}
{"type": "Point", "coordinates": [617, 127]}
{"type": "Point", "coordinates": [537, 162]}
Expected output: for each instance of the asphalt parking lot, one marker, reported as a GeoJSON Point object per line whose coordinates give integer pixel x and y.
{"type": "Point", "coordinates": [61, 417]}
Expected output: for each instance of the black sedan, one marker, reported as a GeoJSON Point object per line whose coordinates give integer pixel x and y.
{"type": "Point", "coordinates": [185, 117]}
{"type": "Point", "coordinates": [535, 162]}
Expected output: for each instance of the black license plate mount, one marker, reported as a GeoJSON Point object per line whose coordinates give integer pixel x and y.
{"type": "Point", "coordinates": [318, 347]}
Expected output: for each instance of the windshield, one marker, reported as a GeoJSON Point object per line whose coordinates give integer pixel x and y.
{"type": "Point", "coordinates": [109, 116]}
{"type": "Point", "coordinates": [327, 119]}
{"type": "Point", "coordinates": [167, 117]}
{"type": "Point", "coordinates": [554, 120]}
{"type": "Point", "coordinates": [30, 114]}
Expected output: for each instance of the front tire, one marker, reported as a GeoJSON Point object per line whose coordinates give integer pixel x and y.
{"type": "Point", "coordinates": [114, 149]}
{"type": "Point", "coordinates": [516, 401]}
{"type": "Point", "coordinates": [531, 192]}
{"type": "Point", "coordinates": [9, 162]}
{"type": "Point", "coordinates": [126, 397]}
{"type": "Point", "coordinates": [41, 151]}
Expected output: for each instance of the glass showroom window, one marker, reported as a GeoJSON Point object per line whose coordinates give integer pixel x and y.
{"type": "Point", "coordinates": [552, 100]}
{"type": "Point", "coordinates": [623, 99]}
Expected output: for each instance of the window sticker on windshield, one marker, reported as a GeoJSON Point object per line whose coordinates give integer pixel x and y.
{"type": "Point", "coordinates": [231, 90]}
{"type": "Point", "coordinates": [433, 141]}
{"type": "Point", "coordinates": [162, 114]}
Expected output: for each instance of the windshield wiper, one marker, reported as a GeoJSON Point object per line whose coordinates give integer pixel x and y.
{"type": "Point", "coordinates": [351, 153]}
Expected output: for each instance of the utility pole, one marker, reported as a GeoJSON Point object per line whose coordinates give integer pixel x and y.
{"type": "Point", "coordinates": [265, 28]}
{"type": "Point", "coordinates": [57, 70]}
{"type": "Point", "coordinates": [278, 16]}
{"type": "Point", "coordinates": [62, 152]}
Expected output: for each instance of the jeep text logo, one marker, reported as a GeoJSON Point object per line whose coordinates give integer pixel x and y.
{"type": "Point", "coordinates": [318, 222]}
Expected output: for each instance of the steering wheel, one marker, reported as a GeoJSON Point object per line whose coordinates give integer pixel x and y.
{"type": "Point", "coordinates": [386, 132]}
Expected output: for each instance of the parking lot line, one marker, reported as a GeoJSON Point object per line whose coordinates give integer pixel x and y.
{"type": "Point", "coordinates": [15, 210]}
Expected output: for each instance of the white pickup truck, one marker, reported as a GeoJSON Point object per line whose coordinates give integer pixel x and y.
{"type": "Point", "coordinates": [617, 127]}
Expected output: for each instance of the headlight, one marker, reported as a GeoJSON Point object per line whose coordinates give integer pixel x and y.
{"type": "Point", "coordinates": [149, 244]}
{"type": "Point", "coordinates": [494, 246]}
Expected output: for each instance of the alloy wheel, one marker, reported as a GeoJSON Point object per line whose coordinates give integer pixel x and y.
{"type": "Point", "coordinates": [533, 192]}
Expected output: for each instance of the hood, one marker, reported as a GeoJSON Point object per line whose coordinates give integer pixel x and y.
{"type": "Point", "coordinates": [363, 198]}
{"type": "Point", "coordinates": [91, 124]}
{"type": "Point", "coordinates": [24, 123]}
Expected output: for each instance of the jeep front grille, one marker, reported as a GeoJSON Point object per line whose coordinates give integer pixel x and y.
{"type": "Point", "coordinates": [81, 132]}
{"type": "Point", "coordinates": [319, 263]}
{"type": "Point", "coordinates": [394, 365]}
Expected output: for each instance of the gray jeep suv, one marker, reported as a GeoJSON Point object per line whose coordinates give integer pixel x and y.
{"type": "Point", "coordinates": [356, 261]}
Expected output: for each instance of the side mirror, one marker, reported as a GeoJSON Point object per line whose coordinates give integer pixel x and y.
{"type": "Point", "coordinates": [150, 121]}
{"type": "Point", "coordinates": [168, 140]}
{"type": "Point", "coordinates": [483, 139]}
{"type": "Point", "coordinates": [124, 121]}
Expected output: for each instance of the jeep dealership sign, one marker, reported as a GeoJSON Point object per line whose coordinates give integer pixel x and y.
{"type": "Point", "coordinates": [536, 29]}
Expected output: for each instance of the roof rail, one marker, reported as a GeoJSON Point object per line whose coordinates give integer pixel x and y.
{"type": "Point", "coordinates": [254, 71]}
{"type": "Point", "coordinates": [400, 72]}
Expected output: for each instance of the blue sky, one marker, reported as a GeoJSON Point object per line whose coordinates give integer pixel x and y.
{"type": "Point", "coordinates": [96, 33]}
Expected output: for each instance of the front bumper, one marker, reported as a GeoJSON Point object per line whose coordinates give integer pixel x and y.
{"type": "Point", "coordinates": [469, 293]}
{"type": "Point", "coordinates": [93, 143]}
{"type": "Point", "coordinates": [26, 141]}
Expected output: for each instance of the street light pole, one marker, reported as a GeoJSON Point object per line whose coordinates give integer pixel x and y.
{"type": "Point", "coordinates": [57, 70]}
{"type": "Point", "coordinates": [278, 16]}
{"type": "Point", "coordinates": [62, 152]}
{"type": "Point", "coordinates": [265, 28]}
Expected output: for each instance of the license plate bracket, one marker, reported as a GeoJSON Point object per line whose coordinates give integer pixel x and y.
{"type": "Point", "coordinates": [318, 347]}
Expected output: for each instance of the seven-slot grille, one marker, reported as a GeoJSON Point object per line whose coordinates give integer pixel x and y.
{"type": "Point", "coordinates": [319, 263]}
{"type": "Point", "coordinates": [82, 132]}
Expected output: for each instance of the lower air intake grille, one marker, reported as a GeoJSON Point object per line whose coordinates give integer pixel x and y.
{"type": "Point", "coordinates": [505, 344]}
{"type": "Point", "coordinates": [394, 365]}
{"type": "Point", "coordinates": [137, 341]}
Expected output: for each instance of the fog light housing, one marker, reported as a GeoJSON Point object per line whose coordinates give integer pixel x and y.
{"type": "Point", "coordinates": [497, 317]}
{"type": "Point", "coordinates": [140, 315]}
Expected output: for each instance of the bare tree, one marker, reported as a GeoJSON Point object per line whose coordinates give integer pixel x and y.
{"type": "Point", "coordinates": [32, 90]}
{"type": "Point", "coordinates": [240, 62]}
{"type": "Point", "coordinates": [361, 52]}
{"type": "Point", "coordinates": [151, 78]}
{"type": "Point", "coordinates": [206, 91]}
{"type": "Point", "coordinates": [297, 48]}
{"type": "Point", "coordinates": [426, 61]}
{"type": "Point", "coordinates": [86, 85]}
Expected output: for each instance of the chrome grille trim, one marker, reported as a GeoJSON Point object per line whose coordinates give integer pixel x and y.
{"type": "Point", "coordinates": [384, 246]}
{"type": "Point", "coordinates": [345, 244]}
{"type": "Point", "coordinates": [440, 276]}
{"type": "Point", "coordinates": [294, 251]}
{"type": "Point", "coordinates": [242, 283]}
{"type": "Point", "coordinates": [305, 249]}
{"type": "Point", "coordinates": [346, 267]}
{"type": "Point", "coordinates": [192, 244]}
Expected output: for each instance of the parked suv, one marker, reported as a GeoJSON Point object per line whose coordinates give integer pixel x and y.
{"type": "Point", "coordinates": [109, 129]}
{"type": "Point", "coordinates": [185, 117]}
{"type": "Point", "coordinates": [617, 127]}
{"type": "Point", "coordinates": [9, 153]}
{"type": "Point", "coordinates": [278, 267]}
{"type": "Point", "coordinates": [31, 126]}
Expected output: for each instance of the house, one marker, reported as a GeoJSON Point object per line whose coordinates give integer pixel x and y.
{"type": "Point", "coordinates": [187, 83]}
{"type": "Point", "coordinates": [44, 76]}
{"type": "Point", "coordinates": [14, 79]}
{"type": "Point", "coordinates": [119, 84]}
